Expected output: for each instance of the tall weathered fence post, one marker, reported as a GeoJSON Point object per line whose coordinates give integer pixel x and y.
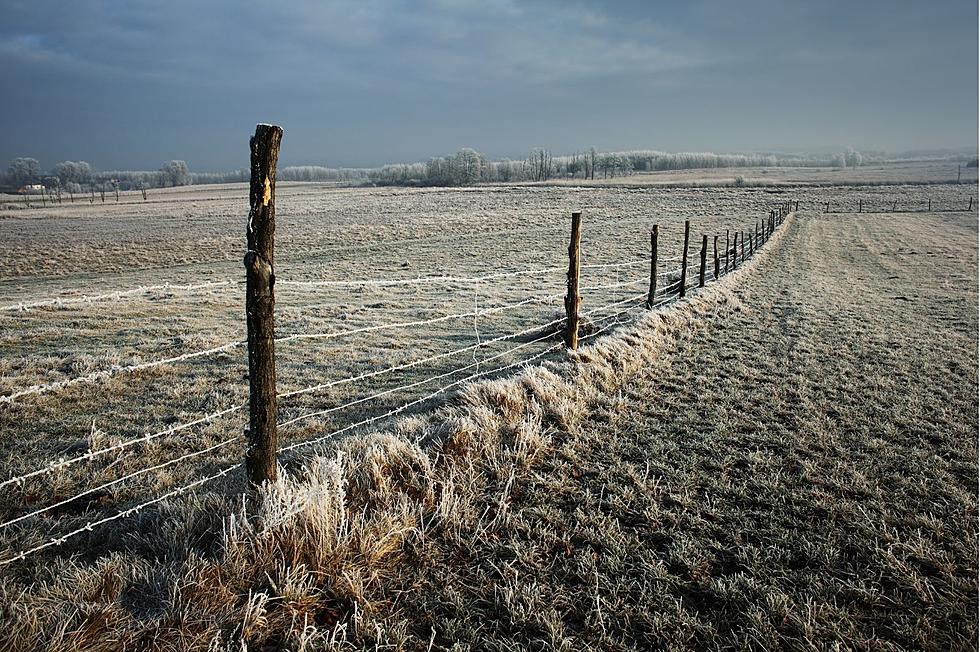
{"type": "Point", "coordinates": [572, 299]}
{"type": "Point", "coordinates": [717, 262]}
{"type": "Point", "coordinates": [260, 279]}
{"type": "Point", "coordinates": [704, 259]}
{"type": "Point", "coordinates": [970, 208]}
{"type": "Point", "coordinates": [930, 204]}
{"type": "Point", "coordinates": [860, 206]}
{"type": "Point", "coordinates": [687, 237]}
{"type": "Point", "coordinates": [654, 234]}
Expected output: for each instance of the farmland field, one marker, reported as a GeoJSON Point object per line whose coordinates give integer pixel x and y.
{"type": "Point", "coordinates": [853, 342]}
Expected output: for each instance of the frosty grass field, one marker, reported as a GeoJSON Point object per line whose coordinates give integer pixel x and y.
{"type": "Point", "coordinates": [90, 292]}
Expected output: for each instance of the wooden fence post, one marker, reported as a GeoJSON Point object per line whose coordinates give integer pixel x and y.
{"type": "Point", "coordinates": [687, 237]}
{"type": "Point", "coordinates": [860, 206]}
{"type": "Point", "coordinates": [261, 448]}
{"type": "Point", "coordinates": [717, 262]}
{"type": "Point", "coordinates": [704, 259]}
{"type": "Point", "coordinates": [970, 208]}
{"type": "Point", "coordinates": [797, 205]}
{"type": "Point", "coordinates": [573, 302]}
{"type": "Point", "coordinates": [728, 246]}
{"type": "Point", "coordinates": [930, 204]}
{"type": "Point", "coordinates": [743, 247]}
{"type": "Point", "coordinates": [653, 265]}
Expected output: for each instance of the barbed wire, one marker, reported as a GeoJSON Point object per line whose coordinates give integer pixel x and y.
{"type": "Point", "coordinates": [120, 480]}
{"type": "Point", "coordinates": [144, 289]}
{"type": "Point", "coordinates": [89, 526]}
{"type": "Point", "coordinates": [91, 455]}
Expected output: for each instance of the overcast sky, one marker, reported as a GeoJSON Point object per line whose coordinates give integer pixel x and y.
{"type": "Point", "coordinates": [130, 84]}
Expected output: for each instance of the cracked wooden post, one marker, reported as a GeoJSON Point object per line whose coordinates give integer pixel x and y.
{"type": "Point", "coordinates": [704, 259]}
{"type": "Point", "coordinates": [654, 234]}
{"type": "Point", "coordinates": [573, 302]}
{"type": "Point", "coordinates": [687, 239]}
{"type": "Point", "coordinates": [260, 279]}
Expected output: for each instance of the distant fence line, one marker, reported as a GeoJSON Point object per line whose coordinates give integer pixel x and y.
{"type": "Point", "coordinates": [699, 266]}
{"type": "Point", "coordinates": [829, 207]}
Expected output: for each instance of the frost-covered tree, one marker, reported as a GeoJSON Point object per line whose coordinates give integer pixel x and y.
{"type": "Point", "coordinates": [23, 171]}
{"type": "Point", "coordinates": [175, 173]}
{"type": "Point", "coordinates": [78, 172]}
{"type": "Point", "coordinates": [852, 157]}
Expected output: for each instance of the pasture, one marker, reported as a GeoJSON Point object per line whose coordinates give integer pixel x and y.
{"type": "Point", "coordinates": [122, 323]}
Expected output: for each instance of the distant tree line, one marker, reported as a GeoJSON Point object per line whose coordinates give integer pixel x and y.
{"type": "Point", "coordinates": [468, 167]}
{"type": "Point", "coordinates": [78, 177]}
{"type": "Point", "coordinates": [465, 167]}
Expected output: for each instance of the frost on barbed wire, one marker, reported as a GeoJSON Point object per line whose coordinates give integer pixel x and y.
{"type": "Point", "coordinates": [603, 323]}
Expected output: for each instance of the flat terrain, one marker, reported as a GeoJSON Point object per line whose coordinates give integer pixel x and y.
{"type": "Point", "coordinates": [793, 464]}
{"type": "Point", "coordinates": [799, 472]}
{"type": "Point", "coordinates": [67, 369]}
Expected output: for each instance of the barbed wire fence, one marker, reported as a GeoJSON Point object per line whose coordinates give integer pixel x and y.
{"type": "Point", "coordinates": [666, 280]}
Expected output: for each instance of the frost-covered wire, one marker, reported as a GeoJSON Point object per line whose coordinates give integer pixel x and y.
{"type": "Point", "coordinates": [114, 371]}
{"type": "Point", "coordinates": [629, 263]}
{"type": "Point", "coordinates": [613, 286]}
{"type": "Point", "coordinates": [120, 480]}
{"type": "Point", "coordinates": [91, 455]}
{"type": "Point", "coordinates": [422, 280]}
{"type": "Point", "coordinates": [418, 322]}
{"type": "Point", "coordinates": [67, 301]}
{"type": "Point", "coordinates": [427, 397]}
{"type": "Point", "coordinates": [419, 361]}
{"type": "Point", "coordinates": [88, 527]}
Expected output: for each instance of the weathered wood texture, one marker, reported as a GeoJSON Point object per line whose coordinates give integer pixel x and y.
{"type": "Point", "coordinates": [654, 235]}
{"type": "Point", "coordinates": [687, 239]}
{"type": "Point", "coordinates": [261, 447]}
{"type": "Point", "coordinates": [573, 302]}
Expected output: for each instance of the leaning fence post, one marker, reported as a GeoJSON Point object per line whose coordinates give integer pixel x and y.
{"type": "Point", "coordinates": [704, 259]}
{"type": "Point", "coordinates": [654, 234]}
{"type": "Point", "coordinates": [572, 299]}
{"type": "Point", "coordinates": [687, 237]}
{"type": "Point", "coordinates": [260, 452]}
{"type": "Point", "coordinates": [717, 263]}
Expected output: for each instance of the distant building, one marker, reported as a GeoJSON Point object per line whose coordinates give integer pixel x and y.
{"type": "Point", "coordinates": [31, 189]}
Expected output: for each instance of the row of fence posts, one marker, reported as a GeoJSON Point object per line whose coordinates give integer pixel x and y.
{"type": "Point", "coordinates": [894, 209]}
{"type": "Point", "coordinates": [761, 232]}
{"type": "Point", "coordinates": [262, 436]}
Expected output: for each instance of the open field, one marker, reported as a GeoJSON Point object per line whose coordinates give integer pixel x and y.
{"type": "Point", "coordinates": [830, 303]}
{"type": "Point", "coordinates": [913, 172]}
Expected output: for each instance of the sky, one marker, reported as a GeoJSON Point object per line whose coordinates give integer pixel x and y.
{"type": "Point", "coordinates": [131, 84]}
